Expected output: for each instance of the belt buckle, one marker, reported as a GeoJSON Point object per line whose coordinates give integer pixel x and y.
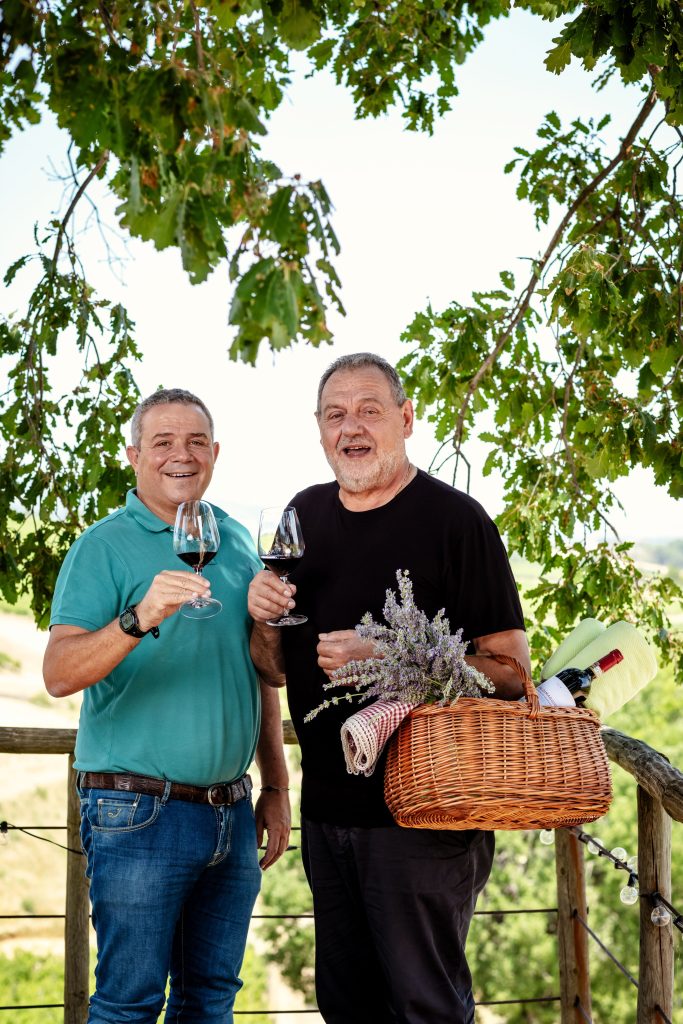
{"type": "Point", "coordinates": [210, 794]}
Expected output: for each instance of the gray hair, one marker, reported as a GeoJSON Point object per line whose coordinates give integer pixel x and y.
{"type": "Point", "coordinates": [357, 361]}
{"type": "Point", "coordinates": [164, 396]}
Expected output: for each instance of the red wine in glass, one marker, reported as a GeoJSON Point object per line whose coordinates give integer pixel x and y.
{"type": "Point", "coordinates": [281, 548]}
{"type": "Point", "coordinates": [281, 565]}
{"type": "Point", "coordinates": [196, 540]}
{"type": "Point", "coordinates": [196, 559]}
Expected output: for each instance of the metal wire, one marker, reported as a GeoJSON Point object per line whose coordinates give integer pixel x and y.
{"type": "Point", "coordinates": [578, 1005]}
{"type": "Point", "coordinates": [531, 910]}
{"type": "Point", "coordinates": [604, 948]}
{"type": "Point", "coordinates": [584, 837]}
{"type": "Point", "coordinates": [6, 827]}
{"type": "Point", "coordinates": [237, 1013]}
{"type": "Point", "coordinates": [518, 1002]}
{"type": "Point", "coordinates": [661, 1013]}
{"type": "Point", "coordinates": [293, 917]}
{"type": "Point", "coordinates": [36, 1006]}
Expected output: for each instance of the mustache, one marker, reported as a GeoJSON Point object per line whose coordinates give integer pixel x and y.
{"type": "Point", "coordinates": [344, 442]}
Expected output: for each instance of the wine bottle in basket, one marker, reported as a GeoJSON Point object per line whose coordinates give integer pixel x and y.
{"type": "Point", "coordinates": [572, 685]}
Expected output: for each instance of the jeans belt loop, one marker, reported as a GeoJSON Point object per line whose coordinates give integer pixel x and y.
{"type": "Point", "coordinates": [166, 793]}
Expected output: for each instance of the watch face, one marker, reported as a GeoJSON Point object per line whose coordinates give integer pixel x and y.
{"type": "Point", "coordinates": [127, 619]}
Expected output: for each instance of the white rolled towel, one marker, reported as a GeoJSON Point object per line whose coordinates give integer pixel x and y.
{"type": "Point", "coordinates": [365, 734]}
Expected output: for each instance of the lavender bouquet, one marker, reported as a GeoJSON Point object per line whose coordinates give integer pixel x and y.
{"type": "Point", "coordinates": [416, 661]}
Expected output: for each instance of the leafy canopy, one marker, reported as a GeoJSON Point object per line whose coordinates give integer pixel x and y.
{"type": "Point", "coordinates": [577, 368]}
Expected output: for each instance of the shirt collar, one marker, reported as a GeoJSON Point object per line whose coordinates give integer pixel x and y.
{"type": "Point", "coordinates": [146, 518]}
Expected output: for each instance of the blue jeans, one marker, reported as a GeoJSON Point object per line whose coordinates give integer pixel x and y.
{"type": "Point", "coordinates": [172, 887]}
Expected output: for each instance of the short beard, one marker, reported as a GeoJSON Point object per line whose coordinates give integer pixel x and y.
{"type": "Point", "coordinates": [386, 466]}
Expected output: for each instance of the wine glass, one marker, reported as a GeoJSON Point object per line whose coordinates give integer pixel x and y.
{"type": "Point", "coordinates": [281, 548]}
{"type": "Point", "coordinates": [195, 541]}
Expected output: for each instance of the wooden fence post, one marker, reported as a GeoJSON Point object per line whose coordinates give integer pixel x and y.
{"type": "Point", "coordinates": [656, 975]}
{"type": "Point", "coordinates": [572, 938]}
{"type": "Point", "coordinates": [76, 925]}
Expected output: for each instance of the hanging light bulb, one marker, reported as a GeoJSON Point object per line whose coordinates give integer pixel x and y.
{"type": "Point", "coordinates": [660, 916]}
{"type": "Point", "coordinates": [592, 844]}
{"type": "Point", "coordinates": [619, 853]}
{"type": "Point", "coordinates": [547, 836]}
{"type": "Point", "coordinates": [629, 895]}
{"type": "Point", "coordinates": [632, 863]}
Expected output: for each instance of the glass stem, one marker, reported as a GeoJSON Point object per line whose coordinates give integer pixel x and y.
{"type": "Point", "coordinates": [197, 601]}
{"type": "Point", "coordinates": [283, 579]}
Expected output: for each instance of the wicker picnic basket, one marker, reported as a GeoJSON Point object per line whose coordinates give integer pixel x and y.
{"type": "Point", "coordinates": [495, 764]}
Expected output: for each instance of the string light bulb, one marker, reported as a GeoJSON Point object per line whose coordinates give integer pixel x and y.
{"type": "Point", "coordinates": [547, 836]}
{"type": "Point", "coordinates": [660, 916]}
{"type": "Point", "coordinates": [593, 846]}
{"type": "Point", "coordinates": [619, 853]}
{"type": "Point", "coordinates": [629, 895]}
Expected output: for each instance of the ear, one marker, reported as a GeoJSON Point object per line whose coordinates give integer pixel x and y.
{"type": "Point", "coordinates": [216, 449]}
{"type": "Point", "coordinates": [133, 455]}
{"type": "Point", "coordinates": [408, 417]}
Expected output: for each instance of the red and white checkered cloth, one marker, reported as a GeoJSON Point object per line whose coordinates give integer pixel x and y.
{"type": "Point", "coordinates": [364, 735]}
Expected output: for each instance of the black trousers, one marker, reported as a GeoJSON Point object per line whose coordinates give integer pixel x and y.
{"type": "Point", "coordinates": [392, 911]}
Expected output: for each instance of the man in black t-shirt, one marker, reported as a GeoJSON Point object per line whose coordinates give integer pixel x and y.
{"type": "Point", "coordinates": [392, 905]}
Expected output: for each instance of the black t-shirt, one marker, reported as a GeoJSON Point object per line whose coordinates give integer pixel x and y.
{"type": "Point", "coordinates": [456, 561]}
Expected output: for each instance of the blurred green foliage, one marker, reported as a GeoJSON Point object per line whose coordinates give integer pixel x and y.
{"type": "Point", "coordinates": [28, 979]}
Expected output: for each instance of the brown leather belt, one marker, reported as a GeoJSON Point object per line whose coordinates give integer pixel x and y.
{"type": "Point", "coordinates": [218, 795]}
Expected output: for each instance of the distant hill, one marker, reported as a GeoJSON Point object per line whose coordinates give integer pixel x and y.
{"type": "Point", "coordinates": [667, 552]}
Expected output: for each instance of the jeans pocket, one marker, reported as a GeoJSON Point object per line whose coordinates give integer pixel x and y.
{"type": "Point", "coordinates": [112, 812]}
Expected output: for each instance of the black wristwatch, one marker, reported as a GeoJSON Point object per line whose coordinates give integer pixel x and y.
{"type": "Point", "coordinates": [130, 624]}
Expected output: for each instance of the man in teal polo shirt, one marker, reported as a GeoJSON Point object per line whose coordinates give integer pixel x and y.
{"type": "Point", "coordinates": [172, 716]}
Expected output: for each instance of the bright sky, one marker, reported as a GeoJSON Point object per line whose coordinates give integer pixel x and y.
{"type": "Point", "coordinates": [420, 219]}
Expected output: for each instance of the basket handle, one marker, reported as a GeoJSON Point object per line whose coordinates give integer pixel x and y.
{"type": "Point", "coordinates": [532, 700]}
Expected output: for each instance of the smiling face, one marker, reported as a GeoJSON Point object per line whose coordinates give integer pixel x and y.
{"type": "Point", "coordinates": [175, 459]}
{"type": "Point", "coordinates": [363, 433]}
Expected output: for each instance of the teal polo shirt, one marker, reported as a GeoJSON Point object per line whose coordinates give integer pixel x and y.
{"type": "Point", "coordinates": [185, 706]}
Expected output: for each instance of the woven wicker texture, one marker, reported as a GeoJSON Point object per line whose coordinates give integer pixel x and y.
{"type": "Point", "coordinates": [496, 764]}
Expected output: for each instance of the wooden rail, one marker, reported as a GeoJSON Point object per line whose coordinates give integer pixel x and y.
{"type": "Point", "coordinates": [660, 798]}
